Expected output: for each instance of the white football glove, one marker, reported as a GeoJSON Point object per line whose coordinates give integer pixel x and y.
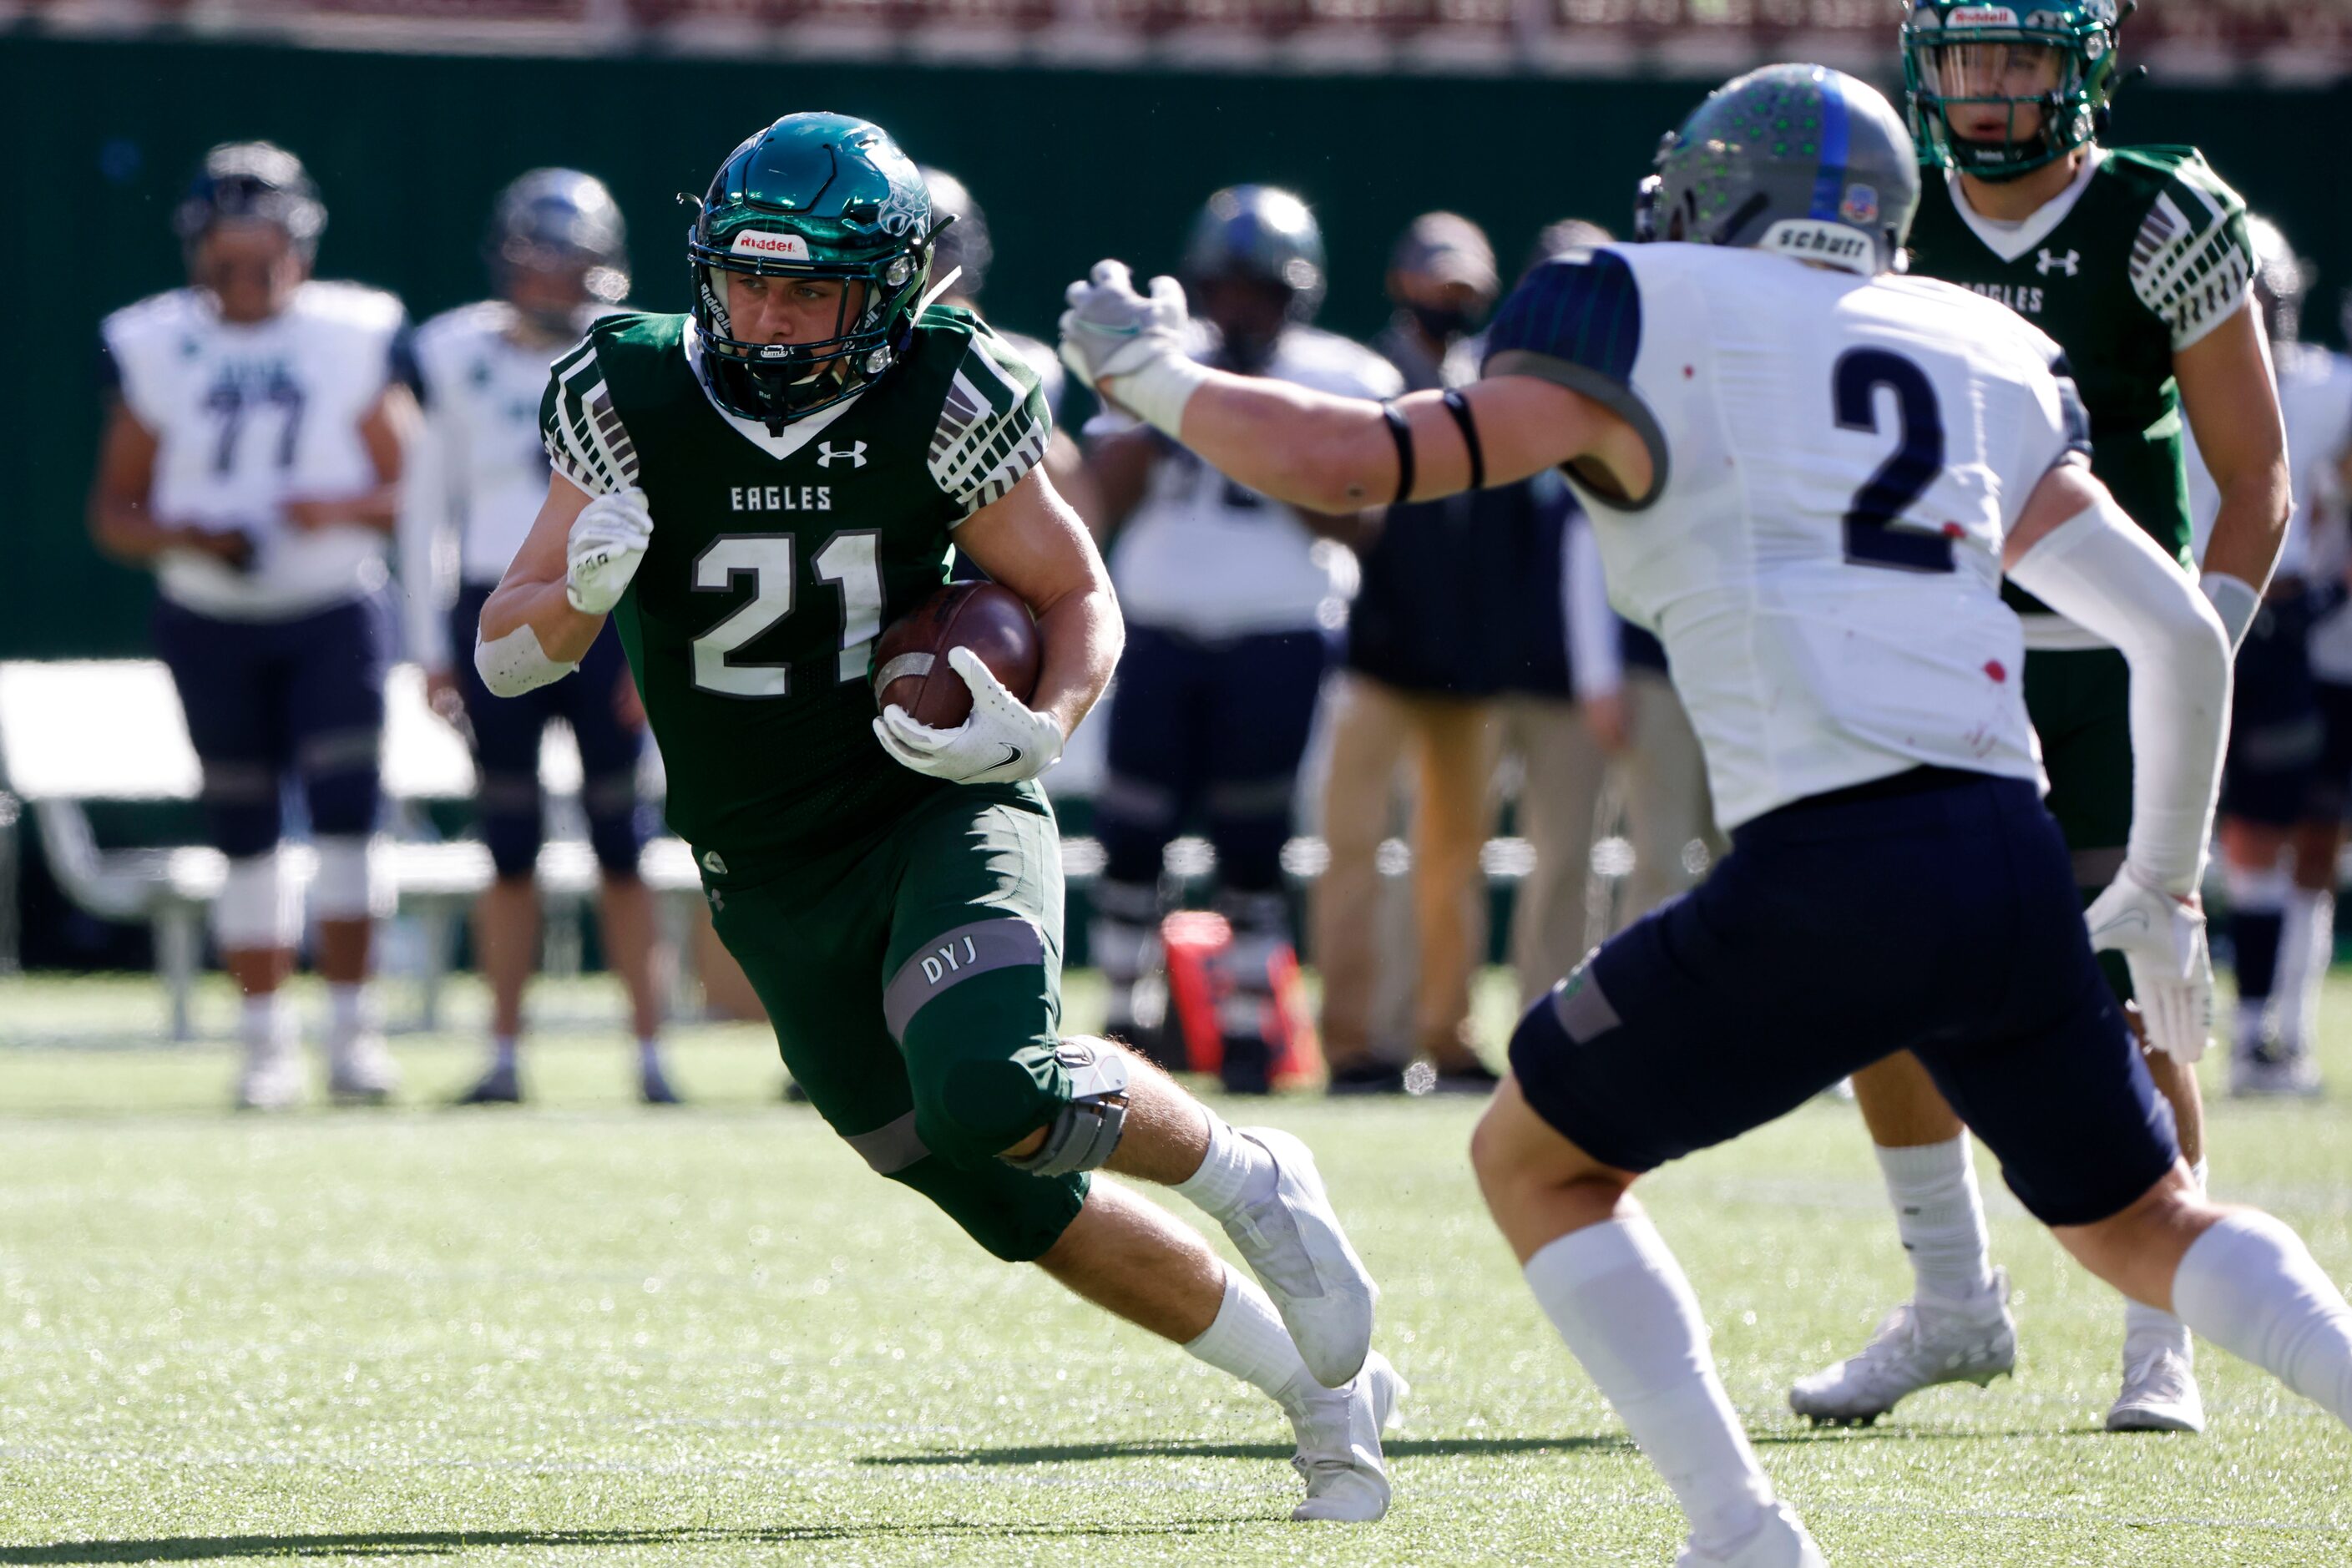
{"type": "Point", "coordinates": [2163, 943]}
{"type": "Point", "coordinates": [1004, 741]}
{"type": "Point", "coordinates": [600, 554]}
{"type": "Point", "coordinates": [1131, 347]}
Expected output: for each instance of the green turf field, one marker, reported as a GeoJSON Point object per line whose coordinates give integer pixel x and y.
{"type": "Point", "coordinates": [589, 1333]}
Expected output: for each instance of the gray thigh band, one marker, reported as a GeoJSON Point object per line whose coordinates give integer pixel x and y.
{"type": "Point", "coordinates": [890, 1148]}
{"type": "Point", "coordinates": [1583, 1010]}
{"type": "Point", "coordinates": [952, 958]}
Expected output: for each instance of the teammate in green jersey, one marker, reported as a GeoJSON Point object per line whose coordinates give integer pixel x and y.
{"type": "Point", "coordinates": [2136, 260]}
{"type": "Point", "coordinates": [752, 492]}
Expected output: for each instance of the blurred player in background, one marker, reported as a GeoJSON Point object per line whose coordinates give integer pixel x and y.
{"type": "Point", "coordinates": [252, 458]}
{"type": "Point", "coordinates": [753, 492]}
{"type": "Point", "coordinates": [558, 256]}
{"type": "Point", "coordinates": [2137, 261]}
{"type": "Point", "coordinates": [1230, 599]}
{"type": "Point", "coordinates": [2290, 751]}
{"type": "Point", "coordinates": [1809, 474]}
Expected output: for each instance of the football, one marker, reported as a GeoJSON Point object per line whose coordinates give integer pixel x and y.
{"type": "Point", "coordinates": [910, 662]}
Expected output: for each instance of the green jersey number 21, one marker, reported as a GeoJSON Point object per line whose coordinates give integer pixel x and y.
{"type": "Point", "coordinates": [849, 561]}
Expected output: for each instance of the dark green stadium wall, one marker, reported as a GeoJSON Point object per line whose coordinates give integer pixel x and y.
{"type": "Point", "coordinates": [1071, 165]}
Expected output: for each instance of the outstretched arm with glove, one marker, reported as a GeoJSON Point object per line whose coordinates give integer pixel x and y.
{"type": "Point", "coordinates": [2076, 550]}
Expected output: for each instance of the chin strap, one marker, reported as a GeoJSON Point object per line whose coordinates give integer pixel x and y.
{"type": "Point", "coordinates": [932, 293]}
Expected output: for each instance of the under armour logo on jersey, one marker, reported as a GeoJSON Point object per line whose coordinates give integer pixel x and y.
{"type": "Point", "coordinates": [826, 454]}
{"type": "Point", "coordinates": [2045, 264]}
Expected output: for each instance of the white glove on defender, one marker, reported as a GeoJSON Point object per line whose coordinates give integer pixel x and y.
{"type": "Point", "coordinates": [601, 553]}
{"type": "Point", "coordinates": [2163, 943]}
{"type": "Point", "coordinates": [1004, 741]}
{"type": "Point", "coordinates": [1130, 346]}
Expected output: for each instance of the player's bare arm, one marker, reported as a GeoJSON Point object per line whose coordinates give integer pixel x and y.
{"type": "Point", "coordinates": [386, 431]}
{"type": "Point", "coordinates": [120, 522]}
{"type": "Point", "coordinates": [1328, 454]}
{"type": "Point", "coordinates": [2230, 397]}
{"type": "Point", "coordinates": [535, 596]}
{"type": "Point", "coordinates": [1033, 543]}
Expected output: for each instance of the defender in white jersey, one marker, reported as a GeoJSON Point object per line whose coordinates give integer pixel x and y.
{"type": "Point", "coordinates": [1809, 475]}
{"type": "Point", "coordinates": [252, 458]}
{"type": "Point", "coordinates": [559, 258]}
{"type": "Point", "coordinates": [2290, 759]}
{"type": "Point", "coordinates": [1231, 598]}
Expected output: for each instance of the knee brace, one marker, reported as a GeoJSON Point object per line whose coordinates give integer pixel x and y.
{"type": "Point", "coordinates": [344, 889]}
{"type": "Point", "coordinates": [1082, 1136]}
{"type": "Point", "coordinates": [256, 909]}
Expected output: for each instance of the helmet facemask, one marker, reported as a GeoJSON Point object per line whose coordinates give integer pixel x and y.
{"type": "Point", "coordinates": [2001, 101]}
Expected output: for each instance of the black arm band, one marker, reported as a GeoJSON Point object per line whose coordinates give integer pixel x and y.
{"type": "Point", "coordinates": [1403, 433]}
{"type": "Point", "coordinates": [1459, 406]}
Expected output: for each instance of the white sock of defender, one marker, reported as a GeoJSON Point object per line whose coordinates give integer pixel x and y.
{"type": "Point", "coordinates": [2251, 1286]}
{"type": "Point", "coordinates": [2147, 1327]}
{"type": "Point", "coordinates": [347, 1013]}
{"type": "Point", "coordinates": [1247, 1340]}
{"type": "Point", "coordinates": [1940, 1214]}
{"type": "Point", "coordinates": [505, 1050]}
{"type": "Point", "coordinates": [261, 1025]}
{"type": "Point", "coordinates": [1234, 1171]}
{"type": "Point", "coordinates": [2306, 946]}
{"type": "Point", "coordinates": [1619, 1298]}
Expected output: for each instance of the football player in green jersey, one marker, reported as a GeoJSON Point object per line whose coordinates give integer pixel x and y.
{"type": "Point", "coordinates": [752, 491]}
{"type": "Point", "coordinates": [2136, 260]}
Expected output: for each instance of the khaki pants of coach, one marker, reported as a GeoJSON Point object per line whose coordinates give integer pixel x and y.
{"type": "Point", "coordinates": [1452, 745]}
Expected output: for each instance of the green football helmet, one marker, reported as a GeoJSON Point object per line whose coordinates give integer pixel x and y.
{"type": "Point", "coordinates": [2057, 57]}
{"type": "Point", "coordinates": [821, 196]}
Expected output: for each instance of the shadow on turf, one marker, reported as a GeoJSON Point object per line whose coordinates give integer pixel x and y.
{"type": "Point", "coordinates": [442, 1542]}
{"type": "Point", "coordinates": [1422, 1448]}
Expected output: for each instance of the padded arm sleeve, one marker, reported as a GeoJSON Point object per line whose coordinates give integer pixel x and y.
{"type": "Point", "coordinates": [2099, 571]}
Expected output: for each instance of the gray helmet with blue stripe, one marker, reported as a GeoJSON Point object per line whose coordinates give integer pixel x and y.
{"type": "Point", "coordinates": [1801, 160]}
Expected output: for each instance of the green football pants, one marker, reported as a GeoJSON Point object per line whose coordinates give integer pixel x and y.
{"type": "Point", "coordinates": [2081, 707]}
{"type": "Point", "coordinates": [914, 980]}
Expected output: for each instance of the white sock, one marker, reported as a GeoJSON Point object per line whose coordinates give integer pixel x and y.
{"type": "Point", "coordinates": [1236, 1171]}
{"type": "Point", "coordinates": [1247, 1340]}
{"type": "Point", "coordinates": [2251, 1286]}
{"type": "Point", "coordinates": [1940, 1214]}
{"type": "Point", "coordinates": [347, 1012]}
{"type": "Point", "coordinates": [1619, 1298]}
{"type": "Point", "coordinates": [261, 1025]}
{"type": "Point", "coordinates": [505, 1051]}
{"type": "Point", "coordinates": [2307, 946]}
{"type": "Point", "coordinates": [2147, 1327]}
{"type": "Point", "coordinates": [649, 1055]}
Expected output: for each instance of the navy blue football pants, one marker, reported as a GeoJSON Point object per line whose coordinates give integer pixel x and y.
{"type": "Point", "coordinates": [1934, 912]}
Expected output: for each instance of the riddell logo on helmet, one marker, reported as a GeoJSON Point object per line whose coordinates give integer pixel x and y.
{"type": "Point", "coordinates": [778, 247]}
{"type": "Point", "coordinates": [1981, 17]}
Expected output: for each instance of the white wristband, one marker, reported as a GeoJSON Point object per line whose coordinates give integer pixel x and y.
{"type": "Point", "coordinates": [1158, 392]}
{"type": "Point", "coordinates": [2234, 599]}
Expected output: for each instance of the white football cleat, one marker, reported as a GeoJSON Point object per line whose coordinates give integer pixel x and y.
{"type": "Point", "coordinates": [272, 1077]}
{"type": "Point", "coordinates": [1781, 1544]}
{"type": "Point", "coordinates": [361, 1071]}
{"type": "Point", "coordinates": [1914, 1348]}
{"type": "Point", "coordinates": [2160, 1393]}
{"type": "Point", "coordinates": [1293, 1243]}
{"type": "Point", "coordinates": [1340, 1444]}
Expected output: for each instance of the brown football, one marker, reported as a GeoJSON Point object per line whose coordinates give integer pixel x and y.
{"type": "Point", "coordinates": [910, 662]}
